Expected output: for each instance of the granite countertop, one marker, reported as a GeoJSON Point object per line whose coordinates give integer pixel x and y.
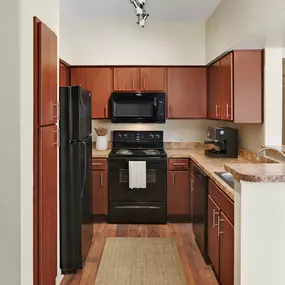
{"type": "Point", "coordinates": [100, 153]}
{"type": "Point", "coordinates": [208, 165]}
{"type": "Point", "coordinates": [263, 172]}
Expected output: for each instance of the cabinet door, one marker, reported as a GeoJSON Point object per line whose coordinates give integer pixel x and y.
{"type": "Point", "coordinates": [78, 76]}
{"type": "Point", "coordinates": [226, 251]}
{"type": "Point", "coordinates": [177, 193]}
{"type": "Point", "coordinates": [47, 205]}
{"type": "Point", "coordinates": [126, 79]}
{"type": "Point", "coordinates": [100, 192]}
{"type": "Point", "coordinates": [227, 87]}
{"type": "Point", "coordinates": [152, 79]}
{"type": "Point", "coordinates": [192, 196]}
{"type": "Point", "coordinates": [48, 75]}
{"type": "Point", "coordinates": [99, 83]}
{"type": "Point", "coordinates": [63, 75]}
{"type": "Point", "coordinates": [187, 92]}
{"type": "Point", "coordinates": [213, 239]}
{"type": "Point", "coordinates": [214, 99]}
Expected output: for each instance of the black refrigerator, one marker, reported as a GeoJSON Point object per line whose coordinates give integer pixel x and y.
{"type": "Point", "coordinates": [75, 159]}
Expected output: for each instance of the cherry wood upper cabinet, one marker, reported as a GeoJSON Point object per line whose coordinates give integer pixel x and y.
{"type": "Point", "coordinates": [178, 193]}
{"type": "Point", "coordinates": [63, 75]}
{"type": "Point", "coordinates": [236, 87]}
{"type": "Point", "coordinates": [98, 81]}
{"type": "Point", "coordinates": [227, 87]}
{"type": "Point", "coordinates": [153, 78]}
{"type": "Point", "coordinates": [213, 238]}
{"type": "Point", "coordinates": [214, 104]}
{"type": "Point", "coordinates": [48, 75]}
{"type": "Point", "coordinates": [187, 92]}
{"type": "Point", "coordinates": [47, 205]}
{"type": "Point", "coordinates": [248, 86]}
{"type": "Point", "coordinates": [226, 251]}
{"type": "Point", "coordinates": [126, 79]}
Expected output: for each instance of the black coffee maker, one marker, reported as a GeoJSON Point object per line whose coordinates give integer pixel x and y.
{"type": "Point", "coordinates": [224, 141]}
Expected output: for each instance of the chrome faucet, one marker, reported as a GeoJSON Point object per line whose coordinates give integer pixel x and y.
{"type": "Point", "coordinates": [268, 148]}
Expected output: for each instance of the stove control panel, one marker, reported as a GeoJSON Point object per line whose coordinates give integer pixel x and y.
{"type": "Point", "coordinates": [137, 136]}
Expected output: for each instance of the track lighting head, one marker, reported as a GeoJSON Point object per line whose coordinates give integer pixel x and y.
{"type": "Point", "coordinates": [140, 11]}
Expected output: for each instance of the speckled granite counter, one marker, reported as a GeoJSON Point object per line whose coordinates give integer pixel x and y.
{"type": "Point", "coordinates": [265, 172]}
{"type": "Point", "coordinates": [100, 153]}
{"type": "Point", "coordinates": [208, 165]}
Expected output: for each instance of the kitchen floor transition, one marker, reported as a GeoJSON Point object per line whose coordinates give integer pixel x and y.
{"type": "Point", "coordinates": [195, 269]}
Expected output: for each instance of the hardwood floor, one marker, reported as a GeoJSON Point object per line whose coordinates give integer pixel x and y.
{"type": "Point", "coordinates": [196, 271]}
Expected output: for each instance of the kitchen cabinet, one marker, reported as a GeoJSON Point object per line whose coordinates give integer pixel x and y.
{"type": "Point", "coordinates": [192, 196]}
{"type": "Point", "coordinates": [187, 92]}
{"type": "Point", "coordinates": [226, 250]}
{"type": "Point", "coordinates": [153, 78]}
{"type": "Point", "coordinates": [214, 104]}
{"type": "Point", "coordinates": [48, 75]}
{"type": "Point", "coordinates": [177, 189]}
{"type": "Point", "coordinates": [98, 81]}
{"type": "Point", "coordinates": [126, 79]}
{"type": "Point", "coordinates": [236, 87]}
{"type": "Point", "coordinates": [100, 187]}
{"type": "Point", "coordinates": [213, 238]}
{"type": "Point", "coordinates": [221, 234]}
{"type": "Point", "coordinates": [63, 75]}
{"type": "Point", "coordinates": [47, 204]}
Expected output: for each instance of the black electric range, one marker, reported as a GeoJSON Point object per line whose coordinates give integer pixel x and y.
{"type": "Point", "coordinates": [147, 205]}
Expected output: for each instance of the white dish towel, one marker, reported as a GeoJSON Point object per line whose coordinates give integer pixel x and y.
{"type": "Point", "coordinates": [137, 174]}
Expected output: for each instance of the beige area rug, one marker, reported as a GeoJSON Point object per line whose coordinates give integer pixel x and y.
{"type": "Point", "coordinates": [140, 261]}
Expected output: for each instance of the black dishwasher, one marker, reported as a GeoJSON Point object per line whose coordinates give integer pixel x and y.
{"type": "Point", "coordinates": [200, 221]}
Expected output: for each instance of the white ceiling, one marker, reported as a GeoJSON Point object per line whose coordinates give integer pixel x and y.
{"type": "Point", "coordinates": [123, 10]}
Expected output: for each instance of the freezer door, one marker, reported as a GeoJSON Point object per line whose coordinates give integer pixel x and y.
{"type": "Point", "coordinates": [80, 113]}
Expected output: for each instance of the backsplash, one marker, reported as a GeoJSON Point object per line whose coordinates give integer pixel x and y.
{"type": "Point", "coordinates": [174, 130]}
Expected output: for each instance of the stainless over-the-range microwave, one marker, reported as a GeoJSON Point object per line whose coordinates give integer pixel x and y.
{"type": "Point", "coordinates": [134, 107]}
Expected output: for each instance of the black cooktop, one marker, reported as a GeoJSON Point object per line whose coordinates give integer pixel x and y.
{"type": "Point", "coordinates": [137, 153]}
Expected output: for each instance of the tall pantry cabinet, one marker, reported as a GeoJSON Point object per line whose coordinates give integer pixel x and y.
{"type": "Point", "coordinates": [45, 154]}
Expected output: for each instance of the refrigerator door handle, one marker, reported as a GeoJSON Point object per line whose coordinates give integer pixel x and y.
{"type": "Point", "coordinates": [85, 167]}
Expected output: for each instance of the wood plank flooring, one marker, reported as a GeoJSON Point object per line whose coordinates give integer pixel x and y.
{"type": "Point", "coordinates": [196, 271]}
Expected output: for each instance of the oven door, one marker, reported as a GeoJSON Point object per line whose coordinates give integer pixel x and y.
{"type": "Point", "coordinates": [136, 108]}
{"type": "Point", "coordinates": [155, 190]}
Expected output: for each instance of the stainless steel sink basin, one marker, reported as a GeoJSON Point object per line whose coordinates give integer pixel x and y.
{"type": "Point", "coordinates": [227, 177]}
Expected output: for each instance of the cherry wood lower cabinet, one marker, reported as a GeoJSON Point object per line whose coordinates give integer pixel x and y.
{"type": "Point", "coordinates": [47, 205]}
{"type": "Point", "coordinates": [177, 193]}
{"type": "Point", "coordinates": [221, 234]}
{"type": "Point", "coordinates": [100, 187]}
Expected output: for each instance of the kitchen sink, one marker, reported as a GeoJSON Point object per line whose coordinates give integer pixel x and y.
{"type": "Point", "coordinates": [227, 177]}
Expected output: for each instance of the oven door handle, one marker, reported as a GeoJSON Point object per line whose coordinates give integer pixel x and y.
{"type": "Point", "coordinates": [137, 207]}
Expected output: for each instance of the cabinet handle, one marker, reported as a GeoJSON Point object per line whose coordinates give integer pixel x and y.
{"type": "Point", "coordinates": [97, 163]}
{"type": "Point", "coordinates": [170, 111]}
{"type": "Point", "coordinates": [57, 140]}
{"type": "Point", "coordinates": [192, 185]}
{"type": "Point", "coordinates": [57, 110]}
{"type": "Point", "coordinates": [228, 113]}
{"type": "Point", "coordinates": [218, 107]}
{"type": "Point", "coordinates": [219, 225]}
{"type": "Point", "coordinates": [133, 84]}
{"type": "Point", "coordinates": [179, 164]}
{"type": "Point", "coordinates": [101, 179]}
{"type": "Point", "coordinates": [173, 179]}
{"type": "Point", "coordinates": [144, 83]}
{"type": "Point", "coordinates": [214, 218]}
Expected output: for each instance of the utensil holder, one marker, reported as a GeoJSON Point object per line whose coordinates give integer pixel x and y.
{"type": "Point", "coordinates": [102, 143]}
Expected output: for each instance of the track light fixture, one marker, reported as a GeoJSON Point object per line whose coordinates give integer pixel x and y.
{"type": "Point", "coordinates": [140, 11]}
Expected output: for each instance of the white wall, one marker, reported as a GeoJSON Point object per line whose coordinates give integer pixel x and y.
{"type": "Point", "coordinates": [10, 179]}
{"type": "Point", "coordinates": [174, 130]}
{"type": "Point", "coordinates": [234, 20]}
{"type": "Point", "coordinates": [95, 43]}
